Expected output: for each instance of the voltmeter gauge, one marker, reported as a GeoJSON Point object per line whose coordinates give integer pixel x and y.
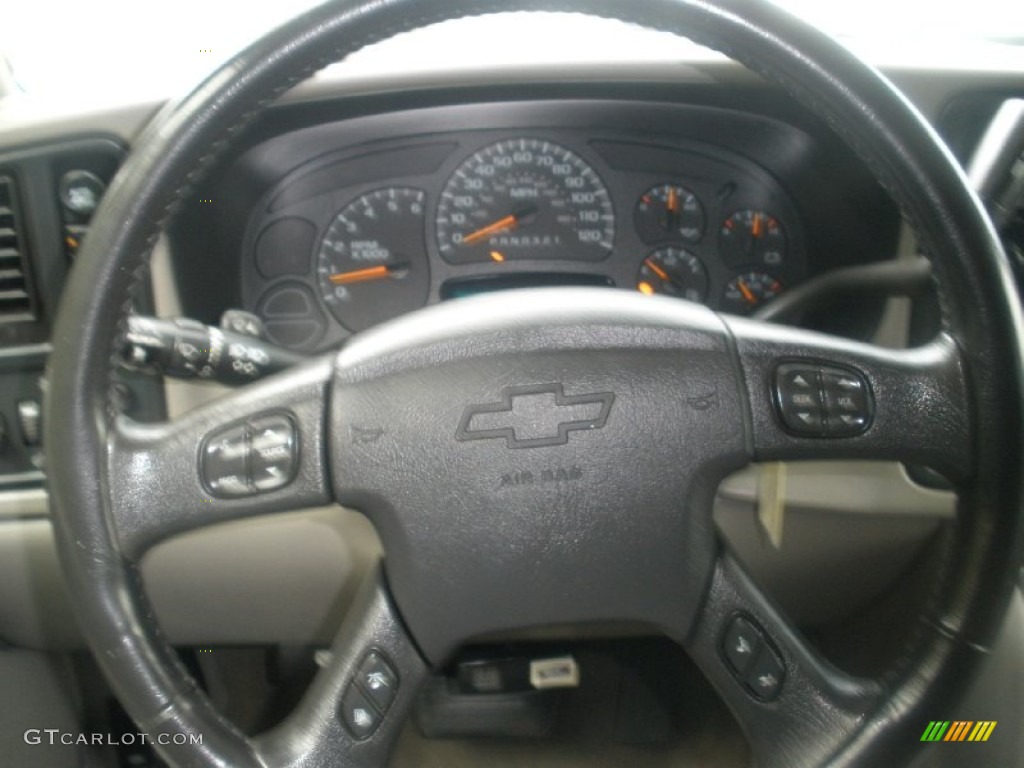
{"type": "Point", "coordinates": [748, 291]}
{"type": "Point", "coordinates": [673, 272]}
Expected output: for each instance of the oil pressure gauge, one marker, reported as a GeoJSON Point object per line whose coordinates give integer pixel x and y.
{"type": "Point", "coordinates": [752, 237]}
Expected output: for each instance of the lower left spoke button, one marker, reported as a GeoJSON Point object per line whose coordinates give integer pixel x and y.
{"type": "Point", "coordinates": [358, 714]}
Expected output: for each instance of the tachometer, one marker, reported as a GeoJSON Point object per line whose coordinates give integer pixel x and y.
{"type": "Point", "coordinates": [524, 199]}
{"type": "Point", "coordinates": [372, 263]}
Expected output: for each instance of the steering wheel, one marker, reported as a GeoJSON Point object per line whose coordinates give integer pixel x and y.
{"type": "Point", "coordinates": [613, 417]}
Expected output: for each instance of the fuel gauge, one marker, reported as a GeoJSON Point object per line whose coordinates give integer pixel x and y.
{"type": "Point", "coordinates": [749, 291]}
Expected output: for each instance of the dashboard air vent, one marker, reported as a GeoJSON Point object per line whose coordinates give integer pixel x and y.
{"type": "Point", "coordinates": [16, 302]}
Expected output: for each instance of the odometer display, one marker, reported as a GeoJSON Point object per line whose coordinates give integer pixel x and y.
{"type": "Point", "coordinates": [524, 199]}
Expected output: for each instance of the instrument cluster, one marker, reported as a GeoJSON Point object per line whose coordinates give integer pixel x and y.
{"type": "Point", "coordinates": [344, 243]}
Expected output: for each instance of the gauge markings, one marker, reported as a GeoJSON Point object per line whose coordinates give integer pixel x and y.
{"type": "Point", "coordinates": [749, 291]}
{"type": "Point", "coordinates": [526, 199]}
{"type": "Point", "coordinates": [674, 272]}
{"type": "Point", "coordinates": [752, 237]}
{"type": "Point", "coordinates": [372, 262]}
{"type": "Point", "coordinates": [668, 212]}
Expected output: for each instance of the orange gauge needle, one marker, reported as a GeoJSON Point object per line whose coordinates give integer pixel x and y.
{"type": "Point", "coordinates": [757, 228]}
{"type": "Point", "coordinates": [484, 232]}
{"type": "Point", "coordinates": [364, 275]}
{"type": "Point", "coordinates": [657, 270]}
{"type": "Point", "coordinates": [748, 295]}
{"type": "Point", "coordinates": [673, 200]}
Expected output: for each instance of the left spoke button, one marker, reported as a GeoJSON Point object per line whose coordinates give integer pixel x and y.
{"type": "Point", "coordinates": [225, 463]}
{"type": "Point", "coordinates": [258, 456]}
{"type": "Point", "coordinates": [273, 450]}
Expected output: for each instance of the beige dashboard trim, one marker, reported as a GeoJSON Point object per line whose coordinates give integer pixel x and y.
{"type": "Point", "coordinates": [24, 503]}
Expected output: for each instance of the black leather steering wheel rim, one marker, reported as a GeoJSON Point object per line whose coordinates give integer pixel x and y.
{"type": "Point", "coordinates": [980, 308]}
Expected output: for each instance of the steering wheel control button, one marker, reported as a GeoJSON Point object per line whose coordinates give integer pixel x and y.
{"type": "Point", "coordinates": [378, 680]}
{"type": "Point", "coordinates": [225, 463]}
{"type": "Point", "coordinates": [273, 452]}
{"type": "Point", "coordinates": [751, 658]}
{"type": "Point", "coordinates": [358, 714]}
{"type": "Point", "coordinates": [798, 396]}
{"type": "Point", "coordinates": [847, 402]}
{"type": "Point", "coordinates": [764, 679]}
{"type": "Point", "coordinates": [822, 400]}
{"type": "Point", "coordinates": [741, 645]}
{"type": "Point", "coordinates": [258, 456]}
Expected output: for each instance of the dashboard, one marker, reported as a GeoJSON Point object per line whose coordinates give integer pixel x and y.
{"type": "Point", "coordinates": [257, 226]}
{"type": "Point", "coordinates": [348, 223]}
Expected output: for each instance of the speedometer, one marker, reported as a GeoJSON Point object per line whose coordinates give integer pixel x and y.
{"type": "Point", "coordinates": [524, 199]}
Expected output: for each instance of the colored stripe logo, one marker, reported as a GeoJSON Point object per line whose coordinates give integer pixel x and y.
{"type": "Point", "coordinates": [958, 730]}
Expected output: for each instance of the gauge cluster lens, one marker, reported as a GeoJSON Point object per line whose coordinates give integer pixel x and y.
{"type": "Point", "coordinates": [752, 238]}
{"type": "Point", "coordinates": [524, 199]}
{"type": "Point", "coordinates": [476, 211]}
{"type": "Point", "coordinates": [669, 211]}
{"type": "Point", "coordinates": [372, 261]}
{"type": "Point", "coordinates": [673, 272]}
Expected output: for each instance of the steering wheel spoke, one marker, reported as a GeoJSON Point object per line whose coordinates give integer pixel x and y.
{"type": "Point", "coordinates": [254, 451]}
{"type": "Point", "coordinates": [814, 396]}
{"type": "Point", "coordinates": [795, 708]}
{"type": "Point", "coordinates": [353, 712]}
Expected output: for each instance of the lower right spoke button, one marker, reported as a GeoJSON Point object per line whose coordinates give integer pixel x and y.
{"type": "Point", "coordinates": [764, 678]}
{"type": "Point", "coordinates": [751, 657]}
{"type": "Point", "coordinates": [358, 714]}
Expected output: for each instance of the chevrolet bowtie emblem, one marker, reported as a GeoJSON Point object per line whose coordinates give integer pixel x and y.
{"type": "Point", "coordinates": [535, 416]}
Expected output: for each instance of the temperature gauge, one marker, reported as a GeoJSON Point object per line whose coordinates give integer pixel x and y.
{"type": "Point", "coordinates": [669, 212]}
{"type": "Point", "coordinates": [673, 272]}
{"type": "Point", "coordinates": [748, 291]}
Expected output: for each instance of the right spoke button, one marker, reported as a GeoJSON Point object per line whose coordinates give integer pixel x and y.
{"type": "Point", "coordinates": [847, 401]}
{"type": "Point", "coordinates": [798, 395]}
{"type": "Point", "coordinates": [378, 680]}
{"type": "Point", "coordinates": [358, 714]}
{"type": "Point", "coordinates": [765, 676]}
{"type": "Point", "coordinates": [741, 644]}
